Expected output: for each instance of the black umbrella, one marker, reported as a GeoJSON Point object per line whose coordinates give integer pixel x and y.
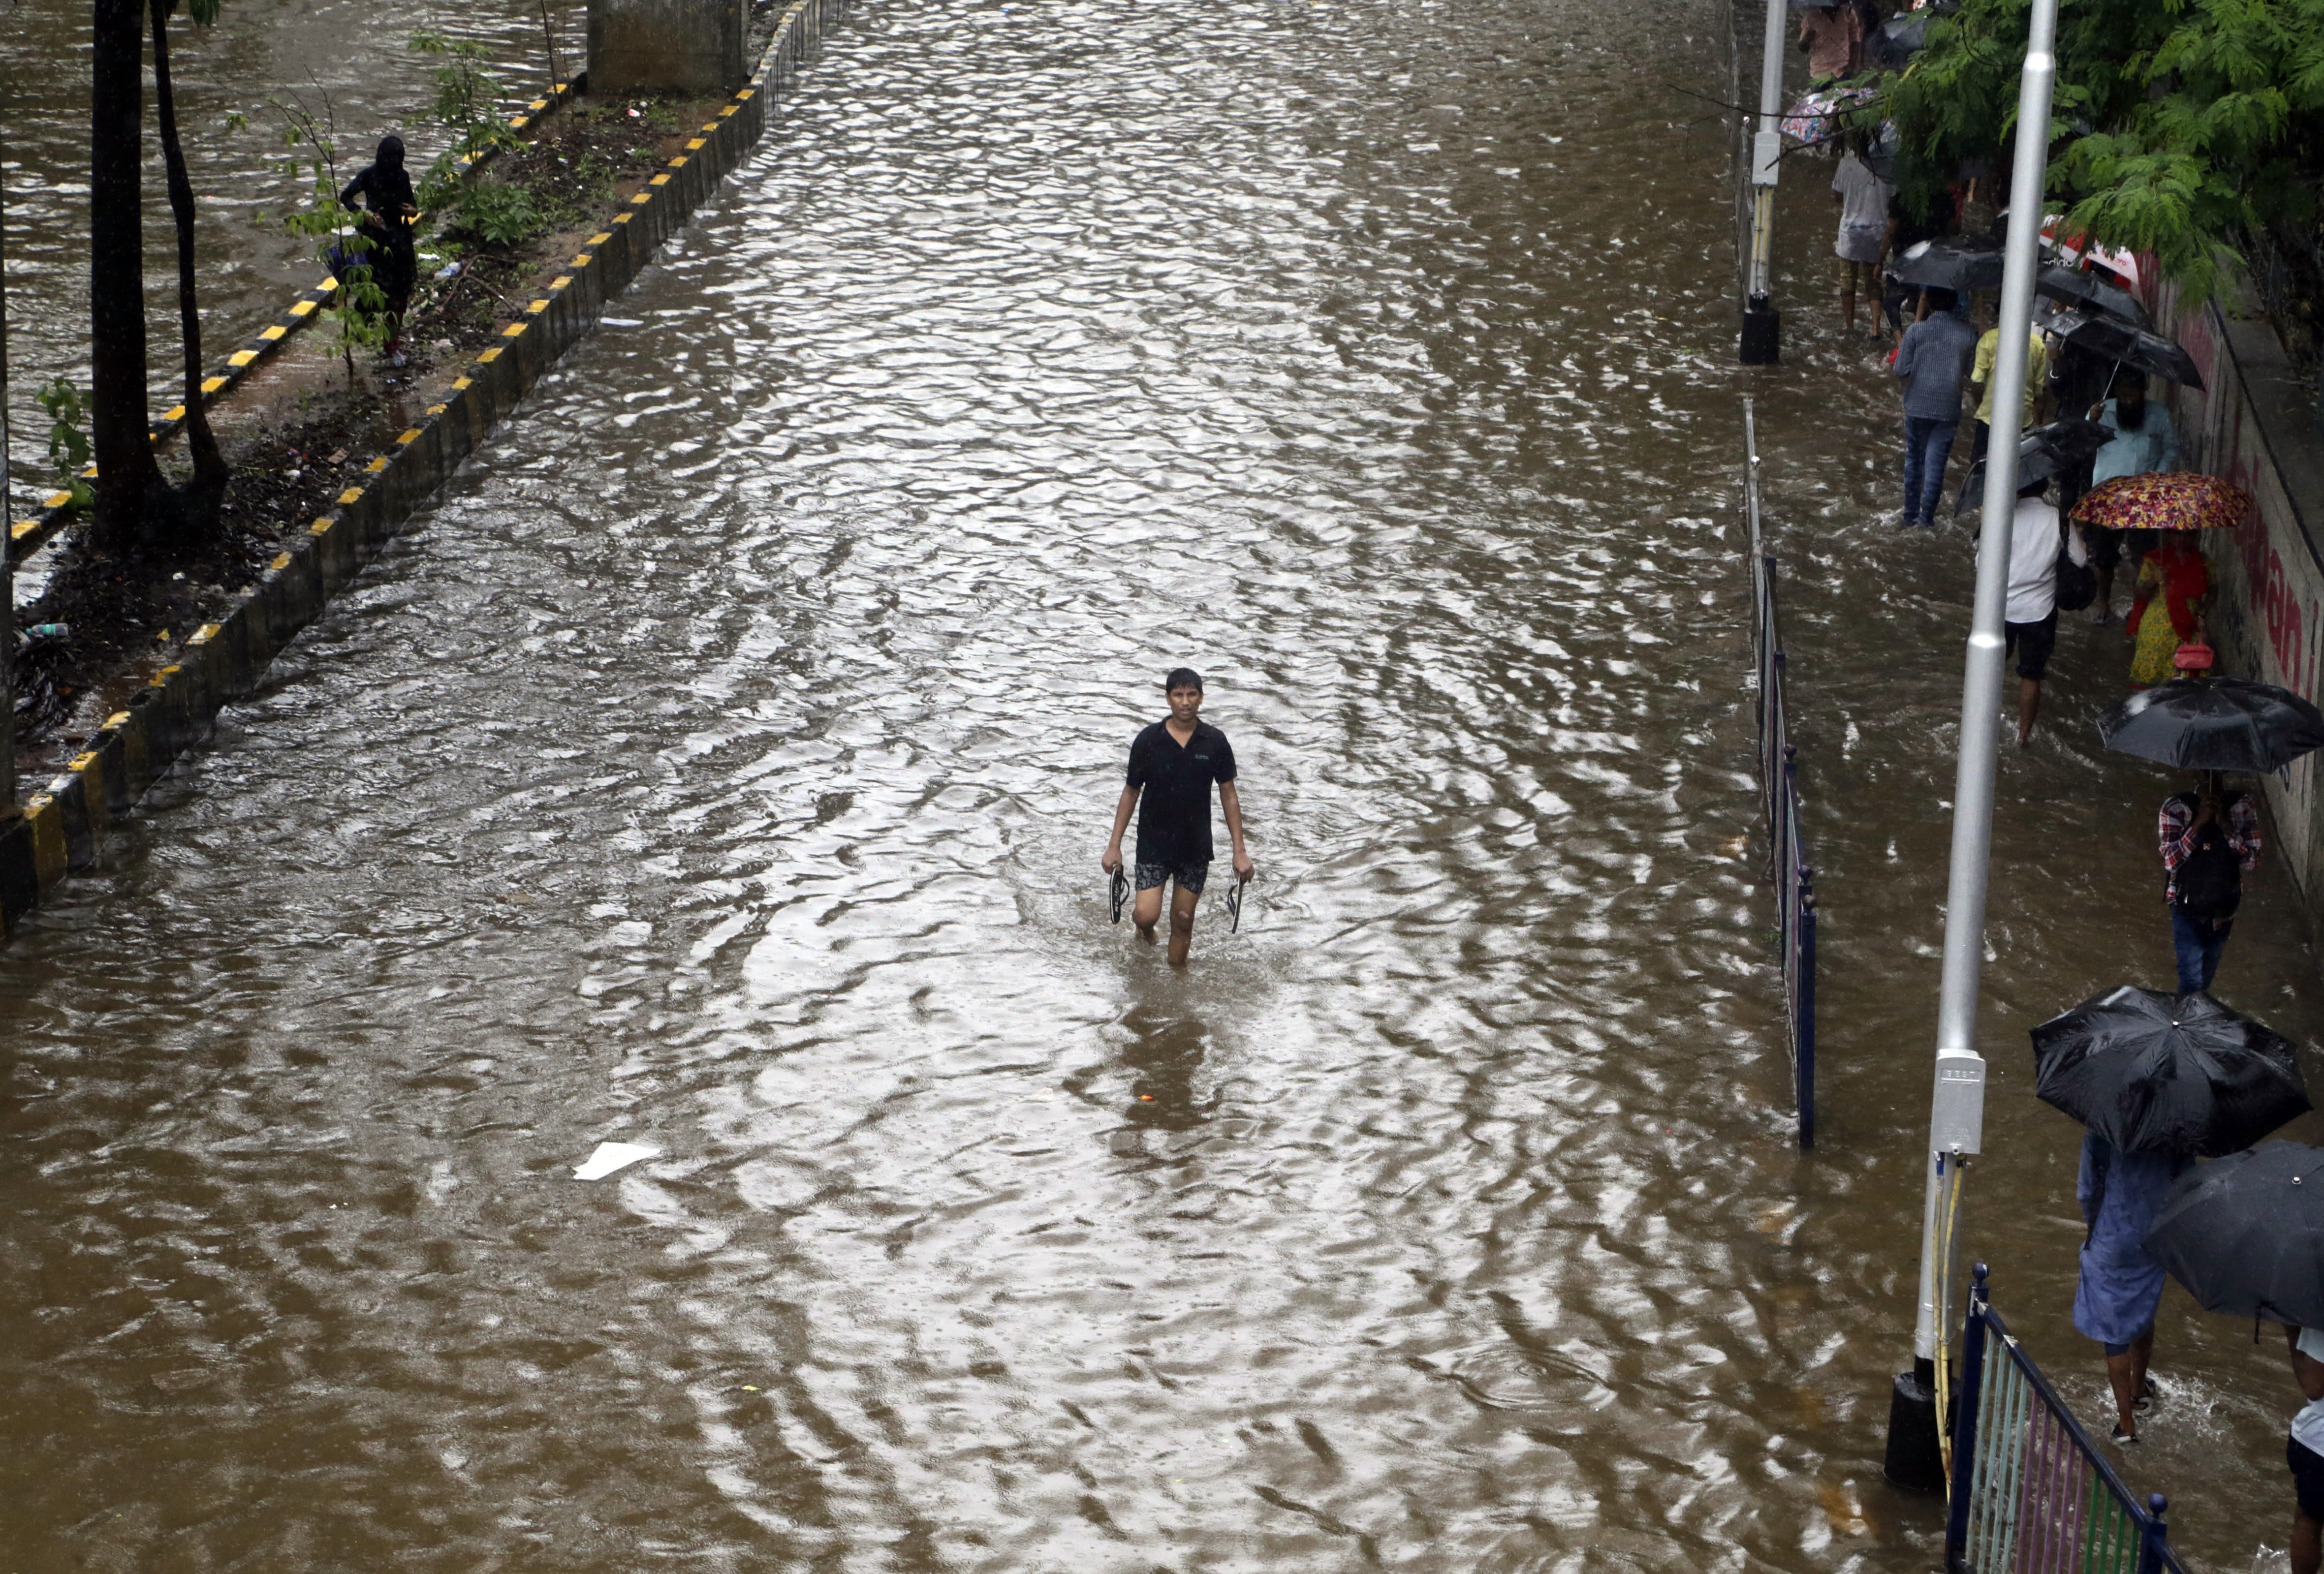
{"type": "Point", "coordinates": [2041, 453]}
{"type": "Point", "coordinates": [2246, 1235]}
{"type": "Point", "coordinates": [2086, 292]}
{"type": "Point", "coordinates": [2158, 1073]}
{"type": "Point", "coordinates": [1957, 265]}
{"type": "Point", "coordinates": [1900, 38]}
{"type": "Point", "coordinates": [2221, 723]}
{"type": "Point", "coordinates": [2118, 342]}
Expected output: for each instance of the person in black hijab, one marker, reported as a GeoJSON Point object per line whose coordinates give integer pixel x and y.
{"type": "Point", "coordinates": [386, 188]}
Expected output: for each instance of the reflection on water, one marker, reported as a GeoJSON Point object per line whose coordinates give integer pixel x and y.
{"type": "Point", "coordinates": [725, 766]}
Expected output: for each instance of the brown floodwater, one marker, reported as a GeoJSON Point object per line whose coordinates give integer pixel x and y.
{"type": "Point", "coordinates": [723, 766]}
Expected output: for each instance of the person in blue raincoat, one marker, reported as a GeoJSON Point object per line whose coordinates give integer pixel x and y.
{"type": "Point", "coordinates": [2121, 1281]}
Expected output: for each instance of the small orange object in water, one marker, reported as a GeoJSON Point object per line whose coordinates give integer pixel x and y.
{"type": "Point", "coordinates": [1146, 1097]}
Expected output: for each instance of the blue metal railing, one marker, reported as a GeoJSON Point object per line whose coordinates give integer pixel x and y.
{"type": "Point", "coordinates": [1794, 878]}
{"type": "Point", "coordinates": [2030, 1492]}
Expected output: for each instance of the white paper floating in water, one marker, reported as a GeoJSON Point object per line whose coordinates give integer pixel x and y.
{"type": "Point", "coordinates": [620, 322]}
{"type": "Point", "coordinates": [611, 1156]}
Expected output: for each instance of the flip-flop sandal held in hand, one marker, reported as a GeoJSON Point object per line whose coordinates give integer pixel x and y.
{"type": "Point", "coordinates": [1121, 887]}
{"type": "Point", "coordinates": [1234, 906]}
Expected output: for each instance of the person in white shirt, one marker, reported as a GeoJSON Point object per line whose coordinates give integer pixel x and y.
{"type": "Point", "coordinates": [1863, 198]}
{"type": "Point", "coordinates": [2031, 618]}
{"type": "Point", "coordinates": [2304, 1450]}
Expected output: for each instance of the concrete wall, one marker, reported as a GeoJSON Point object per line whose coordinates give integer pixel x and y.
{"type": "Point", "coordinates": [63, 825]}
{"type": "Point", "coordinates": [2256, 424]}
{"type": "Point", "coordinates": [666, 46]}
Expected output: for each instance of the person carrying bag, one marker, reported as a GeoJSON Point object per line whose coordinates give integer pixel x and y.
{"type": "Point", "coordinates": [2209, 838]}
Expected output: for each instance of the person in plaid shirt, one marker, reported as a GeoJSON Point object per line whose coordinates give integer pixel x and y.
{"type": "Point", "coordinates": [2209, 838]}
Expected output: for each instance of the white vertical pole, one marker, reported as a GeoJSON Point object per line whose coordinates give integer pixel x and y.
{"type": "Point", "coordinates": [1761, 326]}
{"type": "Point", "coordinates": [1957, 1104]}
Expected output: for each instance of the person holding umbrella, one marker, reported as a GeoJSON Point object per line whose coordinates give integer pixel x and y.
{"type": "Point", "coordinates": [2245, 1236]}
{"type": "Point", "coordinates": [2209, 838]}
{"type": "Point", "coordinates": [2156, 1081]}
{"type": "Point", "coordinates": [2141, 440]}
{"type": "Point", "coordinates": [2121, 1282]}
{"type": "Point", "coordinates": [2303, 1451]}
{"type": "Point", "coordinates": [1932, 363]}
{"type": "Point", "coordinates": [2167, 607]}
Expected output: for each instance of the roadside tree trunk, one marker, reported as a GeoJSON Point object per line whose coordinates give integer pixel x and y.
{"type": "Point", "coordinates": [200, 502]}
{"type": "Point", "coordinates": [134, 506]}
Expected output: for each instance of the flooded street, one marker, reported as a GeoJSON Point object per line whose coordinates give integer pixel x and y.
{"type": "Point", "coordinates": [724, 767]}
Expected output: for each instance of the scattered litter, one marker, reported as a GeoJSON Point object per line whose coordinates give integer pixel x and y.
{"type": "Point", "coordinates": [621, 322]}
{"type": "Point", "coordinates": [338, 457]}
{"type": "Point", "coordinates": [611, 1156]}
{"type": "Point", "coordinates": [49, 631]}
{"type": "Point", "coordinates": [449, 271]}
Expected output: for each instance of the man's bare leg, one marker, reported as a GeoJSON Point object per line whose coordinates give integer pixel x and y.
{"type": "Point", "coordinates": [1182, 922]}
{"type": "Point", "coordinates": [1147, 913]}
{"type": "Point", "coordinates": [2029, 705]}
{"type": "Point", "coordinates": [2128, 1374]}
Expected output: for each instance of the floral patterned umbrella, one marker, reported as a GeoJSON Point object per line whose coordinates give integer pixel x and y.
{"type": "Point", "coordinates": [1817, 116]}
{"type": "Point", "coordinates": [2163, 499]}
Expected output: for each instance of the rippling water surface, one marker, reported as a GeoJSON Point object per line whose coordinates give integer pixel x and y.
{"type": "Point", "coordinates": [724, 767]}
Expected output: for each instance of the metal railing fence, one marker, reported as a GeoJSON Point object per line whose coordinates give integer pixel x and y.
{"type": "Point", "coordinates": [2030, 1492]}
{"type": "Point", "coordinates": [1779, 790]}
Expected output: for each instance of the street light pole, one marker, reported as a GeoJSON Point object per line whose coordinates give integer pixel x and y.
{"type": "Point", "coordinates": [1957, 1106]}
{"type": "Point", "coordinates": [7, 542]}
{"type": "Point", "coordinates": [1762, 324]}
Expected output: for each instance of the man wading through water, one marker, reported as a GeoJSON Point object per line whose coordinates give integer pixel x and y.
{"type": "Point", "coordinates": [1172, 765]}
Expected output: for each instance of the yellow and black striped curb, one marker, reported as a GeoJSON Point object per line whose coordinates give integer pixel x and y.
{"type": "Point", "coordinates": [64, 822]}
{"type": "Point", "coordinates": [26, 537]}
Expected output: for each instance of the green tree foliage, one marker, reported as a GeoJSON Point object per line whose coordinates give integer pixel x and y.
{"type": "Point", "coordinates": [69, 445]}
{"type": "Point", "coordinates": [2178, 124]}
{"type": "Point", "coordinates": [467, 105]}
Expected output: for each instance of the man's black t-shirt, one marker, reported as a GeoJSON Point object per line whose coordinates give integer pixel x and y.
{"type": "Point", "coordinates": [1174, 783]}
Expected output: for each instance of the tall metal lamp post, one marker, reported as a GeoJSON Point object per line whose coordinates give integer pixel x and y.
{"type": "Point", "coordinates": [1762, 324]}
{"type": "Point", "coordinates": [1957, 1106]}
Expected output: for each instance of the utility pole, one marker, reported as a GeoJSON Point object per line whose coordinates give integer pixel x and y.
{"type": "Point", "coordinates": [7, 536]}
{"type": "Point", "coordinates": [1762, 324]}
{"type": "Point", "coordinates": [1957, 1106]}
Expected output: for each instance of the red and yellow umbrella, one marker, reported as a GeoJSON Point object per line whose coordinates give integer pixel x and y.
{"type": "Point", "coordinates": [2163, 499]}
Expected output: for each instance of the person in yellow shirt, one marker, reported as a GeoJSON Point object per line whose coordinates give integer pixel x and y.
{"type": "Point", "coordinates": [1980, 382]}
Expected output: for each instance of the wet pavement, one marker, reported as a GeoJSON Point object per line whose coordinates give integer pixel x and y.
{"type": "Point", "coordinates": [724, 765]}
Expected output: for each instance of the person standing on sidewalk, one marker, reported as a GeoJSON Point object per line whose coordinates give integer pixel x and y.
{"type": "Point", "coordinates": [1932, 362]}
{"type": "Point", "coordinates": [1172, 765]}
{"type": "Point", "coordinates": [2031, 618]}
{"type": "Point", "coordinates": [2208, 837]}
